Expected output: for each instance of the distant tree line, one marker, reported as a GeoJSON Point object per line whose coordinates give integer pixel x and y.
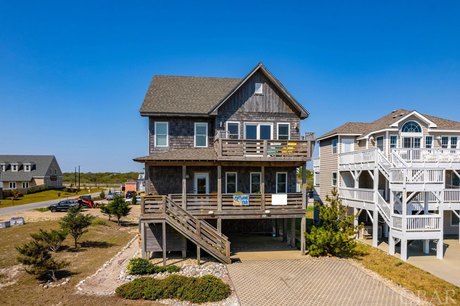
{"type": "Point", "coordinates": [90, 178]}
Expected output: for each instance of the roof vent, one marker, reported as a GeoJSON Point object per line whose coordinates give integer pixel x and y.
{"type": "Point", "coordinates": [394, 111]}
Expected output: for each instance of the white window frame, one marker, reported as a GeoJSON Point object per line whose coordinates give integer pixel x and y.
{"type": "Point", "coordinates": [155, 134]}
{"type": "Point", "coordinates": [383, 142]}
{"type": "Point", "coordinates": [25, 185]}
{"type": "Point", "coordinates": [452, 215]}
{"type": "Point", "coordinates": [27, 167]}
{"type": "Point", "coordinates": [334, 147]}
{"type": "Point", "coordinates": [332, 179]}
{"type": "Point", "coordinates": [448, 142]}
{"type": "Point", "coordinates": [258, 124]}
{"type": "Point", "coordinates": [396, 143]}
{"type": "Point", "coordinates": [195, 135]}
{"type": "Point", "coordinates": [233, 122]}
{"type": "Point", "coordinates": [3, 167]}
{"type": "Point", "coordinates": [285, 173]}
{"type": "Point", "coordinates": [12, 185]}
{"type": "Point", "coordinates": [250, 180]}
{"type": "Point", "coordinates": [278, 130]}
{"type": "Point", "coordinates": [226, 180]}
{"type": "Point", "coordinates": [14, 167]}
{"type": "Point", "coordinates": [425, 139]}
{"type": "Point", "coordinates": [259, 88]}
{"type": "Point", "coordinates": [345, 142]}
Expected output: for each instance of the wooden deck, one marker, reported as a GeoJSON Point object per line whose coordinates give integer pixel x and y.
{"type": "Point", "coordinates": [208, 206]}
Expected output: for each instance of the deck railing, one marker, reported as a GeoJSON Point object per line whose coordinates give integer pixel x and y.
{"type": "Point", "coordinates": [417, 176]}
{"type": "Point", "coordinates": [427, 223]}
{"type": "Point", "coordinates": [357, 194]}
{"type": "Point", "coordinates": [424, 155]}
{"type": "Point", "coordinates": [252, 149]}
{"type": "Point", "coordinates": [358, 157]}
{"type": "Point", "coordinates": [208, 203]}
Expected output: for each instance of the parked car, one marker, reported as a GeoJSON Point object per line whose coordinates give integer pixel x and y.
{"type": "Point", "coordinates": [86, 201]}
{"type": "Point", "coordinates": [130, 194]}
{"type": "Point", "coordinates": [138, 200]}
{"type": "Point", "coordinates": [111, 195]}
{"type": "Point", "coordinates": [64, 205]}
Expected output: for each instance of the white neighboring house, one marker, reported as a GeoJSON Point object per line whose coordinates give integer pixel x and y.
{"type": "Point", "coordinates": [26, 171]}
{"type": "Point", "coordinates": [400, 172]}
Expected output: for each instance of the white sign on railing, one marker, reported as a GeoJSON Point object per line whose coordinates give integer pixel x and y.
{"type": "Point", "coordinates": [279, 199]}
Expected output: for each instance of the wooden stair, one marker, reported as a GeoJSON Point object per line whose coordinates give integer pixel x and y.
{"type": "Point", "coordinates": [196, 230]}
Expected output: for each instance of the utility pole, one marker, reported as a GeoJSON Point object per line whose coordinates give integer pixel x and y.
{"type": "Point", "coordinates": [75, 178]}
{"type": "Point", "coordinates": [79, 177]}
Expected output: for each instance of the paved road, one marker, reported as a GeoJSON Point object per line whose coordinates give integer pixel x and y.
{"type": "Point", "coordinates": [20, 208]}
{"type": "Point", "coordinates": [309, 281]}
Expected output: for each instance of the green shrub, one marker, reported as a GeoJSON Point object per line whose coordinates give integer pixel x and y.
{"type": "Point", "coordinates": [335, 235]}
{"type": "Point", "coordinates": [140, 266]}
{"type": "Point", "coordinates": [196, 290]}
{"type": "Point", "coordinates": [98, 221]}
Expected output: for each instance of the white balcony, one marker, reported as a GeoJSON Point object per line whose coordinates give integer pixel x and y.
{"type": "Point", "coordinates": [439, 157]}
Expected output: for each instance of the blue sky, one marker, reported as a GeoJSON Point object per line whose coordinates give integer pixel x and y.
{"type": "Point", "coordinates": [73, 74]}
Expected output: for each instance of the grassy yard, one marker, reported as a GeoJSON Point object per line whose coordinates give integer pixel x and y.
{"type": "Point", "coordinates": [102, 242]}
{"type": "Point", "coordinates": [44, 196]}
{"type": "Point", "coordinates": [408, 276]}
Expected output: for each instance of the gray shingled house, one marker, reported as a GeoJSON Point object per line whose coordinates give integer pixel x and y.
{"type": "Point", "coordinates": [25, 171]}
{"type": "Point", "coordinates": [223, 156]}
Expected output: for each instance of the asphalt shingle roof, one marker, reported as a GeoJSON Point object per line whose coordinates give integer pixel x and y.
{"type": "Point", "coordinates": [185, 94]}
{"type": "Point", "coordinates": [39, 169]}
{"type": "Point", "coordinates": [363, 128]}
{"type": "Point", "coordinates": [181, 154]}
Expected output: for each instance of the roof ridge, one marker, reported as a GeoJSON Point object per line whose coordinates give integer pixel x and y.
{"type": "Point", "coordinates": [193, 76]}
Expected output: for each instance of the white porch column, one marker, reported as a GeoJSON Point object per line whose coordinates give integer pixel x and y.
{"type": "Point", "coordinates": [355, 220]}
{"type": "Point", "coordinates": [426, 243]}
{"type": "Point", "coordinates": [375, 224]}
{"type": "Point", "coordinates": [404, 249]}
{"type": "Point", "coordinates": [426, 246]}
{"type": "Point", "coordinates": [184, 186]}
{"type": "Point", "coordinates": [391, 244]}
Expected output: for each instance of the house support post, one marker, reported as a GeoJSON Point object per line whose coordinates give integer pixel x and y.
{"type": "Point", "coordinates": [404, 226]}
{"type": "Point", "coordinates": [142, 238]}
{"type": "Point", "coordinates": [219, 197]}
{"type": "Point", "coordinates": [303, 224]}
{"type": "Point", "coordinates": [184, 187]}
{"type": "Point", "coordinates": [440, 244]}
{"type": "Point", "coordinates": [375, 224]}
{"type": "Point", "coordinates": [391, 244]}
{"type": "Point", "coordinates": [198, 255]}
{"type": "Point", "coordinates": [163, 227]}
{"type": "Point", "coordinates": [404, 249]}
{"type": "Point", "coordinates": [285, 230]}
{"type": "Point", "coordinates": [262, 188]}
{"type": "Point", "coordinates": [426, 243]}
{"type": "Point", "coordinates": [355, 220]}
{"type": "Point", "coordinates": [293, 232]}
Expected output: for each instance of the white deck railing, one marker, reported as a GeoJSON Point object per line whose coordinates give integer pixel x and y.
{"type": "Point", "coordinates": [427, 223]}
{"type": "Point", "coordinates": [417, 176]}
{"type": "Point", "coordinates": [359, 157]}
{"type": "Point", "coordinates": [358, 194]}
{"type": "Point", "coordinates": [452, 196]}
{"type": "Point", "coordinates": [438, 155]}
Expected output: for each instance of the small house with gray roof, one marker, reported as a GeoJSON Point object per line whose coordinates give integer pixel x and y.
{"type": "Point", "coordinates": [399, 174]}
{"type": "Point", "coordinates": [223, 155]}
{"type": "Point", "coordinates": [26, 171]}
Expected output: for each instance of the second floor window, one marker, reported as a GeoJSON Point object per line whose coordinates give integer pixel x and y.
{"type": "Point", "coordinates": [161, 134]}
{"type": "Point", "coordinates": [233, 130]}
{"type": "Point", "coordinates": [334, 146]}
{"type": "Point", "coordinates": [445, 142]}
{"type": "Point", "coordinates": [334, 179]}
{"type": "Point", "coordinates": [255, 182]}
{"type": "Point", "coordinates": [393, 141]}
{"type": "Point", "coordinates": [283, 131]}
{"type": "Point", "coordinates": [201, 134]}
{"type": "Point", "coordinates": [231, 184]}
{"type": "Point", "coordinates": [453, 142]}
{"type": "Point", "coordinates": [428, 142]}
{"type": "Point", "coordinates": [379, 141]}
{"type": "Point", "coordinates": [259, 89]}
{"type": "Point", "coordinates": [281, 182]}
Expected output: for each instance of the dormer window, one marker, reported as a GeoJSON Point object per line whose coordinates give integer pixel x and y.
{"type": "Point", "coordinates": [14, 167]}
{"type": "Point", "coordinates": [259, 90]}
{"type": "Point", "coordinates": [27, 167]}
{"type": "Point", "coordinates": [3, 167]}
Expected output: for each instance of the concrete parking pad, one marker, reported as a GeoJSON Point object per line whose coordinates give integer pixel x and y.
{"type": "Point", "coordinates": [311, 281]}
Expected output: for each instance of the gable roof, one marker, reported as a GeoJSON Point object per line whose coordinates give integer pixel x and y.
{"type": "Point", "coordinates": [260, 67]}
{"type": "Point", "coordinates": [387, 122]}
{"type": "Point", "coordinates": [41, 166]}
{"type": "Point", "coordinates": [185, 94]}
{"type": "Point", "coordinates": [200, 96]}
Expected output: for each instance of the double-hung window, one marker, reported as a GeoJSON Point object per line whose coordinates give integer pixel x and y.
{"type": "Point", "coordinates": [453, 142]}
{"type": "Point", "coordinates": [429, 142]}
{"type": "Point", "coordinates": [334, 146]}
{"type": "Point", "coordinates": [233, 130]}
{"type": "Point", "coordinates": [201, 134]}
{"type": "Point", "coordinates": [283, 131]}
{"type": "Point", "coordinates": [255, 182]}
{"type": "Point", "coordinates": [379, 141]}
{"type": "Point", "coordinates": [25, 184]}
{"type": "Point", "coordinates": [12, 185]}
{"type": "Point", "coordinates": [334, 179]}
{"type": "Point", "coordinates": [231, 184]}
{"type": "Point", "coordinates": [281, 182]}
{"type": "Point", "coordinates": [393, 141]}
{"type": "Point", "coordinates": [444, 142]}
{"type": "Point", "coordinates": [161, 134]}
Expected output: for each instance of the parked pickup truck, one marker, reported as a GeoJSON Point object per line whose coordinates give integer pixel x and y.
{"type": "Point", "coordinates": [86, 201]}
